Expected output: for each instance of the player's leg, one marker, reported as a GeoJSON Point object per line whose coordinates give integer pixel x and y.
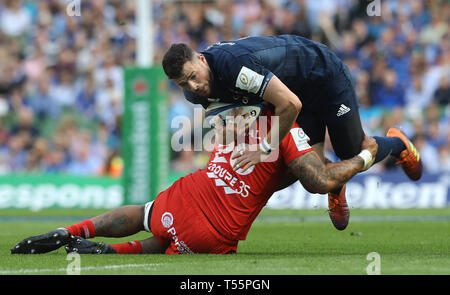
{"type": "Point", "coordinates": [408, 158]}
{"type": "Point", "coordinates": [83, 246]}
{"type": "Point", "coordinates": [125, 226]}
{"type": "Point", "coordinates": [314, 127]}
{"type": "Point", "coordinates": [176, 228]}
{"type": "Point", "coordinates": [345, 129]}
{"type": "Point", "coordinates": [343, 121]}
{"type": "Point", "coordinates": [347, 135]}
{"type": "Point", "coordinates": [120, 222]}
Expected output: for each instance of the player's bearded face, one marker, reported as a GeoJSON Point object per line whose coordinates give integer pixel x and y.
{"type": "Point", "coordinates": [196, 76]}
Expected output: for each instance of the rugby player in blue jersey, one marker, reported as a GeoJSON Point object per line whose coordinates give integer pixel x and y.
{"type": "Point", "coordinates": [305, 82]}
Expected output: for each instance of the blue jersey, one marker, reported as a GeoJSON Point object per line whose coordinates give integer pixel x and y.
{"type": "Point", "coordinates": [241, 69]}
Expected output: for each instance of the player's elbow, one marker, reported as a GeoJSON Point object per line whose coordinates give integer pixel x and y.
{"type": "Point", "coordinates": [296, 103]}
{"type": "Point", "coordinates": [293, 104]}
{"type": "Point", "coordinates": [322, 184]}
{"type": "Point", "coordinates": [320, 189]}
{"type": "Point", "coordinates": [319, 186]}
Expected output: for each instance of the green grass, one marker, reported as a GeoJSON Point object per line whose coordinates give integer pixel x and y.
{"type": "Point", "coordinates": [280, 242]}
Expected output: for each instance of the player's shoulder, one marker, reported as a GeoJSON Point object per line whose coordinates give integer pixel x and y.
{"type": "Point", "coordinates": [224, 58]}
{"type": "Point", "coordinates": [224, 49]}
{"type": "Point", "coordinates": [243, 47]}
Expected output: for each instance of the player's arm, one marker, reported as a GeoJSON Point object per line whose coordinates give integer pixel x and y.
{"type": "Point", "coordinates": [317, 177]}
{"type": "Point", "coordinates": [287, 107]}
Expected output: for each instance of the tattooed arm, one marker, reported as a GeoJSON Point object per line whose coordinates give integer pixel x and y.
{"type": "Point", "coordinates": [317, 177]}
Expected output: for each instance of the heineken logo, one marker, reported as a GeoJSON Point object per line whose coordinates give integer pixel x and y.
{"type": "Point", "coordinates": [391, 190]}
{"type": "Point", "coordinates": [140, 86]}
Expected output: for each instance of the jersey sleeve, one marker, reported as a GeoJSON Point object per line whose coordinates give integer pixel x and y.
{"type": "Point", "coordinates": [296, 143]}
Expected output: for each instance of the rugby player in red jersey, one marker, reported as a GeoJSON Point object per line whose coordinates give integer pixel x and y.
{"type": "Point", "coordinates": [212, 209]}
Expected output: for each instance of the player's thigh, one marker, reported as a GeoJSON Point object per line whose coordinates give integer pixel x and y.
{"type": "Point", "coordinates": [313, 125]}
{"type": "Point", "coordinates": [341, 114]}
{"type": "Point", "coordinates": [184, 229]}
{"type": "Point", "coordinates": [189, 237]}
{"type": "Point", "coordinates": [339, 97]}
{"type": "Point", "coordinates": [319, 149]}
{"type": "Point", "coordinates": [346, 136]}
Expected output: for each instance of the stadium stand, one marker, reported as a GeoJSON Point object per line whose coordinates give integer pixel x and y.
{"type": "Point", "coordinates": [61, 79]}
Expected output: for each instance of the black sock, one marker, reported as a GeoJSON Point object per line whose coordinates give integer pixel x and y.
{"type": "Point", "coordinates": [388, 146]}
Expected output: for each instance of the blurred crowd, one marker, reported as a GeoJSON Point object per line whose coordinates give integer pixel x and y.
{"type": "Point", "coordinates": [61, 79]}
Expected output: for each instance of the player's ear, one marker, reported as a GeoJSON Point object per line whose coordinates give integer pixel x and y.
{"type": "Point", "coordinates": [201, 58]}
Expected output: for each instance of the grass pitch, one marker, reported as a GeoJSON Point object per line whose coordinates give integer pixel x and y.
{"type": "Point", "coordinates": [293, 242]}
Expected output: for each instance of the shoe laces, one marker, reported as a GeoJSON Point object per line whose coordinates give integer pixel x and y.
{"type": "Point", "coordinates": [336, 203]}
{"type": "Point", "coordinates": [407, 159]}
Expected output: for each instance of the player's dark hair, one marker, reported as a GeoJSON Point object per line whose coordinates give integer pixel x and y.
{"type": "Point", "coordinates": [175, 58]}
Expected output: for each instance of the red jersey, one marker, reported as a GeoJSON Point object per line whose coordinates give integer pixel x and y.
{"type": "Point", "coordinates": [230, 200]}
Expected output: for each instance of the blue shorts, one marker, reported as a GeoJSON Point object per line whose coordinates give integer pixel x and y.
{"type": "Point", "coordinates": [337, 110]}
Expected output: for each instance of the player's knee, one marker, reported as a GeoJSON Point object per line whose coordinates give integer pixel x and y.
{"type": "Point", "coordinates": [142, 210]}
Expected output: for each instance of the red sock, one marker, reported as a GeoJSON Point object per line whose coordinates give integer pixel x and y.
{"type": "Point", "coordinates": [84, 229]}
{"type": "Point", "coordinates": [133, 247]}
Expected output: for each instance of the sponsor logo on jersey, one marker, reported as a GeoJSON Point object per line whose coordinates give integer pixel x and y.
{"type": "Point", "coordinates": [300, 139]}
{"type": "Point", "coordinates": [224, 178]}
{"type": "Point", "coordinates": [249, 80]}
{"type": "Point", "coordinates": [167, 219]}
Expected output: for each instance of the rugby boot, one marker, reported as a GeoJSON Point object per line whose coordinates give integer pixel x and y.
{"type": "Point", "coordinates": [43, 243]}
{"type": "Point", "coordinates": [83, 246]}
{"type": "Point", "coordinates": [338, 209]}
{"type": "Point", "coordinates": [409, 158]}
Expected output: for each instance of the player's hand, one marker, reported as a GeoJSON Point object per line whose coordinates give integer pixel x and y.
{"type": "Point", "coordinates": [370, 144]}
{"type": "Point", "coordinates": [245, 159]}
